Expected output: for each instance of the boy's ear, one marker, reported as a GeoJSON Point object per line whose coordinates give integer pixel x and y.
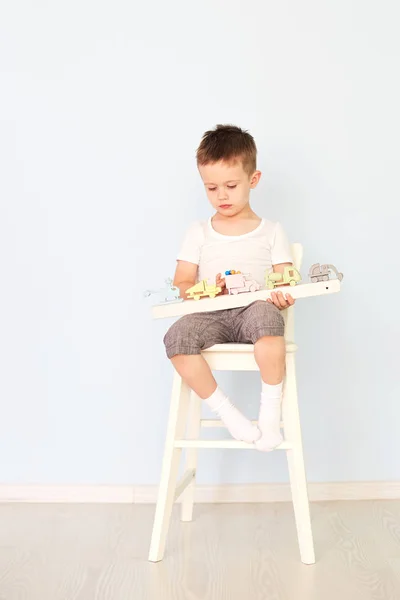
{"type": "Point", "coordinates": [255, 178]}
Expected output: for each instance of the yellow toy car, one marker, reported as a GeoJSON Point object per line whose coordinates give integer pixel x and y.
{"type": "Point", "coordinates": [202, 289]}
{"type": "Point", "coordinates": [290, 275]}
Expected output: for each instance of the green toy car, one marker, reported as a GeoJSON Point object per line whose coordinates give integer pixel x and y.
{"type": "Point", "coordinates": [290, 275]}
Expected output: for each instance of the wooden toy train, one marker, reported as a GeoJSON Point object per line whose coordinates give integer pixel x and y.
{"type": "Point", "coordinates": [238, 282]}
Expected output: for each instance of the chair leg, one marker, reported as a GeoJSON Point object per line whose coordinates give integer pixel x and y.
{"type": "Point", "coordinates": [193, 433]}
{"type": "Point", "coordinates": [170, 467]}
{"type": "Point", "coordinates": [297, 473]}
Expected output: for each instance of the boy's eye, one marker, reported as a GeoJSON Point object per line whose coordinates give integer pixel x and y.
{"type": "Point", "coordinates": [231, 187]}
{"type": "Point", "coordinates": [212, 189]}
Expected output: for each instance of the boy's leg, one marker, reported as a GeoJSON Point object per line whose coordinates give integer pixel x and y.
{"type": "Point", "coordinates": [263, 325]}
{"type": "Point", "coordinates": [269, 352]}
{"type": "Point", "coordinates": [195, 371]}
{"type": "Point", "coordinates": [184, 342]}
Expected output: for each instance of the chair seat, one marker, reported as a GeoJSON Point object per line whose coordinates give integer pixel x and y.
{"type": "Point", "coordinates": [290, 347]}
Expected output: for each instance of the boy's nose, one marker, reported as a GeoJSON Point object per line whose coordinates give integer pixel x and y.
{"type": "Point", "coordinates": [222, 193]}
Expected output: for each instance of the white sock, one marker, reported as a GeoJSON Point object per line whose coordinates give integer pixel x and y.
{"type": "Point", "coordinates": [238, 426]}
{"type": "Point", "coordinates": [270, 417]}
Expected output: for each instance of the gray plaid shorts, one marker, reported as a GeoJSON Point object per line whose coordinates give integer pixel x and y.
{"type": "Point", "coordinates": [193, 333]}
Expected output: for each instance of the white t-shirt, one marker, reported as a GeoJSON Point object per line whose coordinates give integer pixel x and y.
{"type": "Point", "coordinates": [252, 253]}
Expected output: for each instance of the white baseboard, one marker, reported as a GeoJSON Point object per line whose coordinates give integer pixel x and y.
{"type": "Point", "coordinates": [147, 494]}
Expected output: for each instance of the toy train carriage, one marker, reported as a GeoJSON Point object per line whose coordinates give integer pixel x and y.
{"type": "Point", "coordinates": [237, 283]}
{"type": "Point", "coordinates": [289, 276]}
{"type": "Point", "coordinates": [319, 272]}
{"type": "Point", "coordinates": [202, 289]}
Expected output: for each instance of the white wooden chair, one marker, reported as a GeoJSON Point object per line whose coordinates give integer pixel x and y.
{"type": "Point", "coordinates": [229, 357]}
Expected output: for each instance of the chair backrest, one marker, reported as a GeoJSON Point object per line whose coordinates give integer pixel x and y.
{"type": "Point", "coordinates": [288, 314]}
{"type": "Point", "coordinates": [297, 255]}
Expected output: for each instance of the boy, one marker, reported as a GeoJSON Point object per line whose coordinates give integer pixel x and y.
{"type": "Point", "coordinates": [234, 237]}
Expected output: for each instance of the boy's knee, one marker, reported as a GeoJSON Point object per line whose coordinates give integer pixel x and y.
{"type": "Point", "coordinates": [179, 339]}
{"type": "Point", "coordinates": [265, 319]}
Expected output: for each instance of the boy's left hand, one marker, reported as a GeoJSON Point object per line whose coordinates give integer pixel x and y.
{"type": "Point", "coordinates": [220, 282]}
{"type": "Point", "coordinates": [281, 301]}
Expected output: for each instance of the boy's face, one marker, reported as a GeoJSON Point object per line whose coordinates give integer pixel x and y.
{"type": "Point", "coordinates": [228, 186]}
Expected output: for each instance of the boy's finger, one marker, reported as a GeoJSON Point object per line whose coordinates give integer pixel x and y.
{"type": "Point", "coordinates": [290, 299]}
{"type": "Point", "coordinates": [281, 300]}
{"type": "Point", "coordinates": [275, 302]}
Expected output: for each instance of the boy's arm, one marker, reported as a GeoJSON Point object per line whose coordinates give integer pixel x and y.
{"type": "Point", "coordinates": [280, 268]}
{"type": "Point", "coordinates": [185, 276]}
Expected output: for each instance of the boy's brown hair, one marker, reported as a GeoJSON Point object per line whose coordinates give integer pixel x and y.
{"type": "Point", "coordinates": [228, 143]}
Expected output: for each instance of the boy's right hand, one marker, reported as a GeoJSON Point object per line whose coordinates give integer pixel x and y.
{"type": "Point", "coordinates": [220, 282]}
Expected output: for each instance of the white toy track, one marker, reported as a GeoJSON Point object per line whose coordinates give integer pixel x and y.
{"type": "Point", "coordinates": [306, 290]}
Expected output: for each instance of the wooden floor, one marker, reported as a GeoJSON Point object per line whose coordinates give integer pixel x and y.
{"type": "Point", "coordinates": [230, 552]}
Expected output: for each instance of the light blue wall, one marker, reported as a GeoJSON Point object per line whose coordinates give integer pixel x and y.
{"type": "Point", "coordinates": [102, 107]}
